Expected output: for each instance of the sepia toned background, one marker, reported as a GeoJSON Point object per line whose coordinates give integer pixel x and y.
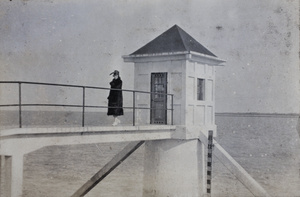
{"type": "Point", "coordinates": [81, 42]}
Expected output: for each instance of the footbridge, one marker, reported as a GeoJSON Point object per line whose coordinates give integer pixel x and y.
{"type": "Point", "coordinates": [169, 147]}
{"type": "Point", "coordinates": [26, 140]}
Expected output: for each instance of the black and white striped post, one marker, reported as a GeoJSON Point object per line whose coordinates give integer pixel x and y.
{"type": "Point", "coordinates": [209, 162]}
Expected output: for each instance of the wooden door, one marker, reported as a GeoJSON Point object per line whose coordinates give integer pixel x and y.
{"type": "Point", "coordinates": [158, 101]}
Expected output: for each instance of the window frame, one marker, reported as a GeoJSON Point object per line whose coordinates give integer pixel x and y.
{"type": "Point", "coordinates": [200, 90]}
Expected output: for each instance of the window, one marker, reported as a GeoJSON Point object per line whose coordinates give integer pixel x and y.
{"type": "Point", "coordinates": [200, 89]}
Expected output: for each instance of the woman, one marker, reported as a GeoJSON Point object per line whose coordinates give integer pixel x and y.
{"type": "Point", "coordinates": [115, 98]}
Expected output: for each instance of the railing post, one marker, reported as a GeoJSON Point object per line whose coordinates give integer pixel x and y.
{"type": "Point", "coordinates": [20, 105]}
{"type": "Point", "coordinates": [172, 110]}
{"type": "Point", "coordinates": [133, 108]}
{"type": "Point", "coordinates": [166, 108]}
{"type": "Point", "coordinates": [83, 105]}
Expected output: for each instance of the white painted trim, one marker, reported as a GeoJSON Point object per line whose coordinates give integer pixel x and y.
{"type": "Point", "coordinates": [208, 57]}
{"type": "Point", "coordinates": [192, 56]}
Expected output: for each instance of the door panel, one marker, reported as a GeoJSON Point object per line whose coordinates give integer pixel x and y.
{"type": "Point", "coordinates": [158, 101]}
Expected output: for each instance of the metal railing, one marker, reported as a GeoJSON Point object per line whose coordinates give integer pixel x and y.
{"type": "Point", "coordinates": [83, 106]}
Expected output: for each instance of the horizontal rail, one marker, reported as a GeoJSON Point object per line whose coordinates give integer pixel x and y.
{"type": "Point", "coordinates": [86, 106]}
{"type": "Point", "coordinates": [79, 86]}
{"type": "Point", "coordinates": [83, 106]}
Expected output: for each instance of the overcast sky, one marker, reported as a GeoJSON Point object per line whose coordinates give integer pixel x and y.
{"type": "Point", "coordinates": [81, 42]}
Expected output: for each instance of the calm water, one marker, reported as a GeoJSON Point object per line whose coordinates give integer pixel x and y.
{"type": "Point", "coordinates": [267, 147]}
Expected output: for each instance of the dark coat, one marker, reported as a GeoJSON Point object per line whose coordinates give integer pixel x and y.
{"type": "Point", "coordinates": [115, 98]}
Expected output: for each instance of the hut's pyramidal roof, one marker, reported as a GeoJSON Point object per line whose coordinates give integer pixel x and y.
{"type": "Point", "coordinates": [173, 40]}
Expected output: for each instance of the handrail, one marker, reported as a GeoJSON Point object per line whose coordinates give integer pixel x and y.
{"type": "Point", "coordinates": [83, 106]}
{"type": "Point", "coordinates": [80, 86]}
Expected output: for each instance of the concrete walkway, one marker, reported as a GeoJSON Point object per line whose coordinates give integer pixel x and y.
{"type": "Point", "coordinates": [26, 140]}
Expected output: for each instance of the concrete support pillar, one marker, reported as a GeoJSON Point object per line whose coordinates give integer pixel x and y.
{"type": "Point", "coordinates": [17, 176]}
{"type": "Point", "coordinates": [11, 176]}
{"type": "Point", "coordinates": [5, 176]}
{"type": "Point", "coordinates": [173, 168]}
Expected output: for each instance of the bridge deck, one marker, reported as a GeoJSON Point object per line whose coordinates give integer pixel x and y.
{"type": "Point", "coordinates": [26, 140]}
